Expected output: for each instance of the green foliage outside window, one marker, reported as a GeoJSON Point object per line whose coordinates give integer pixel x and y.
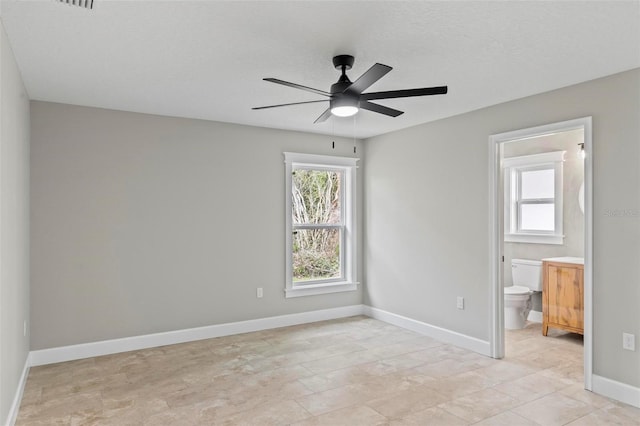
{"type": "Point", "coordinates": [316, 201]}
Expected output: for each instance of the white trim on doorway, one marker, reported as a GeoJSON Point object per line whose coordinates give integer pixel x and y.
{"type": "Point", "coordinates": [496, 335]}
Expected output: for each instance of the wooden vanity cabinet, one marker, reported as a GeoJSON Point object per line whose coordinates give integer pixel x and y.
{"type": "Point", "coordinates": [562, 296]}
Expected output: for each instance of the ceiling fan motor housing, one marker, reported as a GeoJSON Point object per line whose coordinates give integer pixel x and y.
{"type": "Point", "coordinates": [343, 99]}
{"type": "Point", "coordinates": [341, 85]}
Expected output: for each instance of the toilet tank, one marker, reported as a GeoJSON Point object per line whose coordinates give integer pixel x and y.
{"type": "Point", "coordinates": [527, 273]}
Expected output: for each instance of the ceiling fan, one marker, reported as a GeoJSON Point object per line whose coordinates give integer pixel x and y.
{"type": "Point", "coordinates": [346, 98]}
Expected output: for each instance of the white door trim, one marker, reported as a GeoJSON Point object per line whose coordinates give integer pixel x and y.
{"type": "Point", "coordinates": [496, 335]}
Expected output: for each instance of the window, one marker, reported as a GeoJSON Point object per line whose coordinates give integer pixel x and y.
{"type": "Point", "coordinates": [533, 198]}
{"type": "Point", "coordinates": [320, 224]}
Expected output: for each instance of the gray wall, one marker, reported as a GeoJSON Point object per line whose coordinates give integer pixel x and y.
{"type": "Point", "coordinates": [144, 224]}
{"type": "Point", "coordinates": [572, 216]}
{"type": "Point", "coordinates": [427, 220]}
{"type": "Point", "coordinates": [14, 225]}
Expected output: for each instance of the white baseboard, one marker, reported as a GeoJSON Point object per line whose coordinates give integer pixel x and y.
{"type": "Point", "coordinates": [107, 347]}
{"type": "Point", "coordinates": [442, 334]}
{"type": "Point", "coordinates": [15, 405]}
{"type": "Point", "coordinates": [126, 344]}
{"type": "Point", "coordinates": [535, 316]}
{"type": "Point", "coordinates": [616, 390]}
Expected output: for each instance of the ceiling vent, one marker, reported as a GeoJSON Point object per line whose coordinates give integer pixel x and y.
{"type": "Point", "coordinates": [87, 4]}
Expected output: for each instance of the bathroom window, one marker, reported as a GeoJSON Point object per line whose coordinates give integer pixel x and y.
{"type": "Point", "coordinates": [533, 198]}
{"type": "Point", "coordinates": [320, 224]}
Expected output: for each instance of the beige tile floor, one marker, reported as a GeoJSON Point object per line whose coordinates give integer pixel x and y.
{"type": "Point", "coordinates": [353, 371]}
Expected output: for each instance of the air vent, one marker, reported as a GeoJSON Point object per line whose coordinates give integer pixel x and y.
{"type": "Point", "coordinates": [88, 4]}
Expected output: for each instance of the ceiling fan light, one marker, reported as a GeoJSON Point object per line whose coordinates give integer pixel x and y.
{"type": "Point", "coordinates": [344, 110]}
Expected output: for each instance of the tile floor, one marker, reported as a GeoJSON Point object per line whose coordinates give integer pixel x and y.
{"type": "Point", "coordinates": [353, 371]}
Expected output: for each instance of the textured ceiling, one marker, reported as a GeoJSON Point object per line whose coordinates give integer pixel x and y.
{"type": "Point", "coordinates": [206, 59]}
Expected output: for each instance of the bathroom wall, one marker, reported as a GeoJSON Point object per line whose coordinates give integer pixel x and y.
{"type": "Point", "coordinates": [573, 218]}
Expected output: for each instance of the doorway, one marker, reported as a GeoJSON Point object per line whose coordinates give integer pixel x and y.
{"type": "Point", "coordinates": [497, 226]}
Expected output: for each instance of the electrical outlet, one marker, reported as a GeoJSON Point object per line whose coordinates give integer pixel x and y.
{"type": "Point", "coordinates": [628, 341]}
{"type": "Point", "coordinates": [460, 302]}
{"type": "Point", "coordinates": [259, 292]}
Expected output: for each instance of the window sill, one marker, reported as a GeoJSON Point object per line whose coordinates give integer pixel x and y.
{"type": "Point", "coordinates": [315, 289]}
{"type": "Point", "coordinates": [534, 238]}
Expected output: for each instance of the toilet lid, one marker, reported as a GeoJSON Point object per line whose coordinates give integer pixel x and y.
{"type": "Point", "coordinates": [516, 289]}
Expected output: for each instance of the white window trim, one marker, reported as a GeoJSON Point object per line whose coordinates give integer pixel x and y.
{"type": "Point", "coordinates": [512, 165]}
{"type": "Point", "coordinates": [349, 280]}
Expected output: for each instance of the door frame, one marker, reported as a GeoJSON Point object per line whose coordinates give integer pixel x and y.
{"type": "Point", "coordinates": [496, 335]}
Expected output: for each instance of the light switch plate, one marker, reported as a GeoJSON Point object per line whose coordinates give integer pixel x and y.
{"type": "Point", "coordinates": [629, 341]}
{"type": "Point", "coordinates": [460, 302]}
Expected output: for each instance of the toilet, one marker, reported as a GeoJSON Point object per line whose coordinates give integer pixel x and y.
{"type": "Point", "coordinates": [527, 278]}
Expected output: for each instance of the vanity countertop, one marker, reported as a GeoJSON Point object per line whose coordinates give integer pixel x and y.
{"type": "Point", "coordinates": [566, 259]}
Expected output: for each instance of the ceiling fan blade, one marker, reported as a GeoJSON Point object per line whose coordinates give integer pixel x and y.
{"type": "Point", "coordinates": [323, 116]}
{"type": "Point", "coordinates": [373, 74]}
{"type": "Point", "coordinates": [294, 103]}
{"type": "Point", "coordinates": [380, 109]}
{"type": "Point", "coordinates": [440, 90]}
{"type": "Point", "coordinates": [297, 86]}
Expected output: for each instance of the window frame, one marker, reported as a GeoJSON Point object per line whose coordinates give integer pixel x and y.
{"type": "Point", "coordinates": [513, 168]}
{"type": "Point", "coordinates": [341, 227]}
{"type": "Point", "coordinates": [347, 281]}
